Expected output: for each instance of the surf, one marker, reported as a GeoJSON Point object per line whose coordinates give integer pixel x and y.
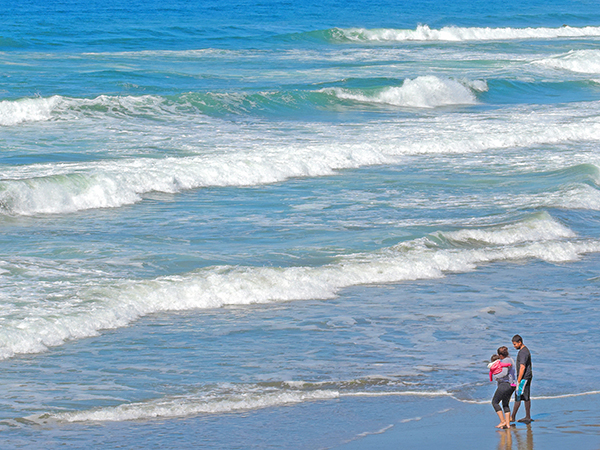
{"type": "Point", "coordinates": [120, 303]}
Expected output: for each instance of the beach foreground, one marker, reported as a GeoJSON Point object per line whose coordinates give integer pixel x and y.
{"type": "Point", "coordinates": [347, 423]}
{"type": "Point", "coordinates": [558, 424]}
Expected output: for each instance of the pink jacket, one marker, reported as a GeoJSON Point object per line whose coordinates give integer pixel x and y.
{"type": "Point", "coordinates": [496, 367]}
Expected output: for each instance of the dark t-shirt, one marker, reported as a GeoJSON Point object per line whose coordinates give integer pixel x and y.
{"type": "Point", "coordinates": [524, 357]}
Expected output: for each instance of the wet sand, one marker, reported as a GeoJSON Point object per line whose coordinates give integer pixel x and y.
{"type": "Point", "coordinates": [559, 423]}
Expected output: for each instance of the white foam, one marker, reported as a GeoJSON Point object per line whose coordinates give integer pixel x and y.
{"type": "Point", "coordinates": [398, 394]}
{"type": "Point", "coordinates": [579, 61]}
{"type": "Point", "coordinates": [14, 112]}
{"type": "Point", "coordinates": [421, 92]}
{"type": "Point", "coordinates": [250, 159]}
{"type": "Point", "coordinates": [213, 287]}
{"type": "Point", "coordinates": [27, 110]}
{"type": "Point", "coordinates": [543, 397]}
{"type": "Point", "coordinates": [228, 398]}
{"type": "Point", "coordinates": [457, 34]}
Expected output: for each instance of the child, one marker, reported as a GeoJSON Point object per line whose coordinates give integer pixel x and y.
{"type": "Point", "coordinates": [496, 365]}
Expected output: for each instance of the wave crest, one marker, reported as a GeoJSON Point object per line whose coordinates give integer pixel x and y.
{"type": "Point", "coordinates": [421, 92]}
{"type": "Point", "coordinates": [457, 34]}
{"type": "Point", "coordinates": [579, 61]}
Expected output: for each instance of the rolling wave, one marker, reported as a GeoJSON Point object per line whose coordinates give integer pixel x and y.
{"type": "Point", "coordinates": [426, 92]}
{"type": "Point", "coordinates": [421, 92]}
{"type": "Point", "coordinates": [538, 237]}
{"type": "Point", "coordinates": [69, 187]}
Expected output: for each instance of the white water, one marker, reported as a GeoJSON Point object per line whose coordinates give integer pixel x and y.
{"type": "Point", "coordinates": [421, 92]}
{"type": "Point", "coordinates": [112, 307]}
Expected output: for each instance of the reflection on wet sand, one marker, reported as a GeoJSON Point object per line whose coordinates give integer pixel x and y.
{"type": "Point", "coordinates": [516, 439]}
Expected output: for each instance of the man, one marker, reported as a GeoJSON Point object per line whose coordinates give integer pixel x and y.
{"type": "Point", "coordinates": [523, 373]}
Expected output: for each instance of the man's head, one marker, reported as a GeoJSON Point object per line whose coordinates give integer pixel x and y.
{"type": "Point", "coordinates": [517, 341]}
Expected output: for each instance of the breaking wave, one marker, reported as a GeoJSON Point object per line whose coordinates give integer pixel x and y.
{"type": "Point", "coordinates": [421, 92]}
{"type": "Point", "coordinates": [538, 237]}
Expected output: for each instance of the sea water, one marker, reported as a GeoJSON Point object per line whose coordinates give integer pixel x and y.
{"type": "Point", "coordinates": [269, 224]}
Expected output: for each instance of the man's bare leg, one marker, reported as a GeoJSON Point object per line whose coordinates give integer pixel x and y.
{"type": "Point", "coordinates": [527, 417]}
{"type": "Point", "coordinates": [515, 409]}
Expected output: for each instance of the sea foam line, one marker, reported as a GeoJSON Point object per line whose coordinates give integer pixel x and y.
{"type": "Point", "coordinates": [543, 397]}
{"type": "Point", "coordinates": [193, 405]}
{"type": "Point", "coordinates": [184, 406]}
{"type": "Point", "coordinates": [457, 34]}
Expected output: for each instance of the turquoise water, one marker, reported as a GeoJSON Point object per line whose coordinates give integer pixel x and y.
{"type": "Point", "coordinates": [246, 218]}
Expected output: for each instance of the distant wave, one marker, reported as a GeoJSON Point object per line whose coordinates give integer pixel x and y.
{"type": "Point", "coordinates": [579, 61]}
{"type": "Point", "coordinates": [457, 34]}
{"type": "Point", "coordinates": [537, 237]}
{"type": "Point", "coordinates": [426, 92]}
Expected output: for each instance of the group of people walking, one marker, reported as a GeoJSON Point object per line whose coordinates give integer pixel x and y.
{"type": "Point", "coordinates": [511, 378]}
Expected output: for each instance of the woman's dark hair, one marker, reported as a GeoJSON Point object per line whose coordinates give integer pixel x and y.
{"type": "Point", "coordinates": [503, 351]}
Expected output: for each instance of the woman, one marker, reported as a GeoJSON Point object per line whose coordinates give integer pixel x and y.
{"type": "Point", "coordinates": [506, 379]}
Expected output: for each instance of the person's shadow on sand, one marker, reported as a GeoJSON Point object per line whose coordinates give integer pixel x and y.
{"type": "Point", "coordinates": [516, 439]}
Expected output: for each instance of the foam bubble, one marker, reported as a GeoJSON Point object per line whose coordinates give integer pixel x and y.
{"type": "Point", "coordinates": [580, 61]}
{"type": "Point", "coordinates": [421, 92]}
{"type": "Point", "coordinates": [457, 34]}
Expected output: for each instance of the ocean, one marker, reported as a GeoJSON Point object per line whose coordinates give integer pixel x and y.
{"type": "Point", "coordinates": [284, 224]}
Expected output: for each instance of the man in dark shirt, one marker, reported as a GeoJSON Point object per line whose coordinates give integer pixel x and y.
{"type": "Point", "coordinates": [523, 373]}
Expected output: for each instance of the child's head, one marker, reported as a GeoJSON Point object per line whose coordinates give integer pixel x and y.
{"type": "Point", "coordinates": [495, 357]}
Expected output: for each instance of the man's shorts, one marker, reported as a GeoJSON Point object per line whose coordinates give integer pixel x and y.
{"type": "Point", "coordinates": [525, 395]}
